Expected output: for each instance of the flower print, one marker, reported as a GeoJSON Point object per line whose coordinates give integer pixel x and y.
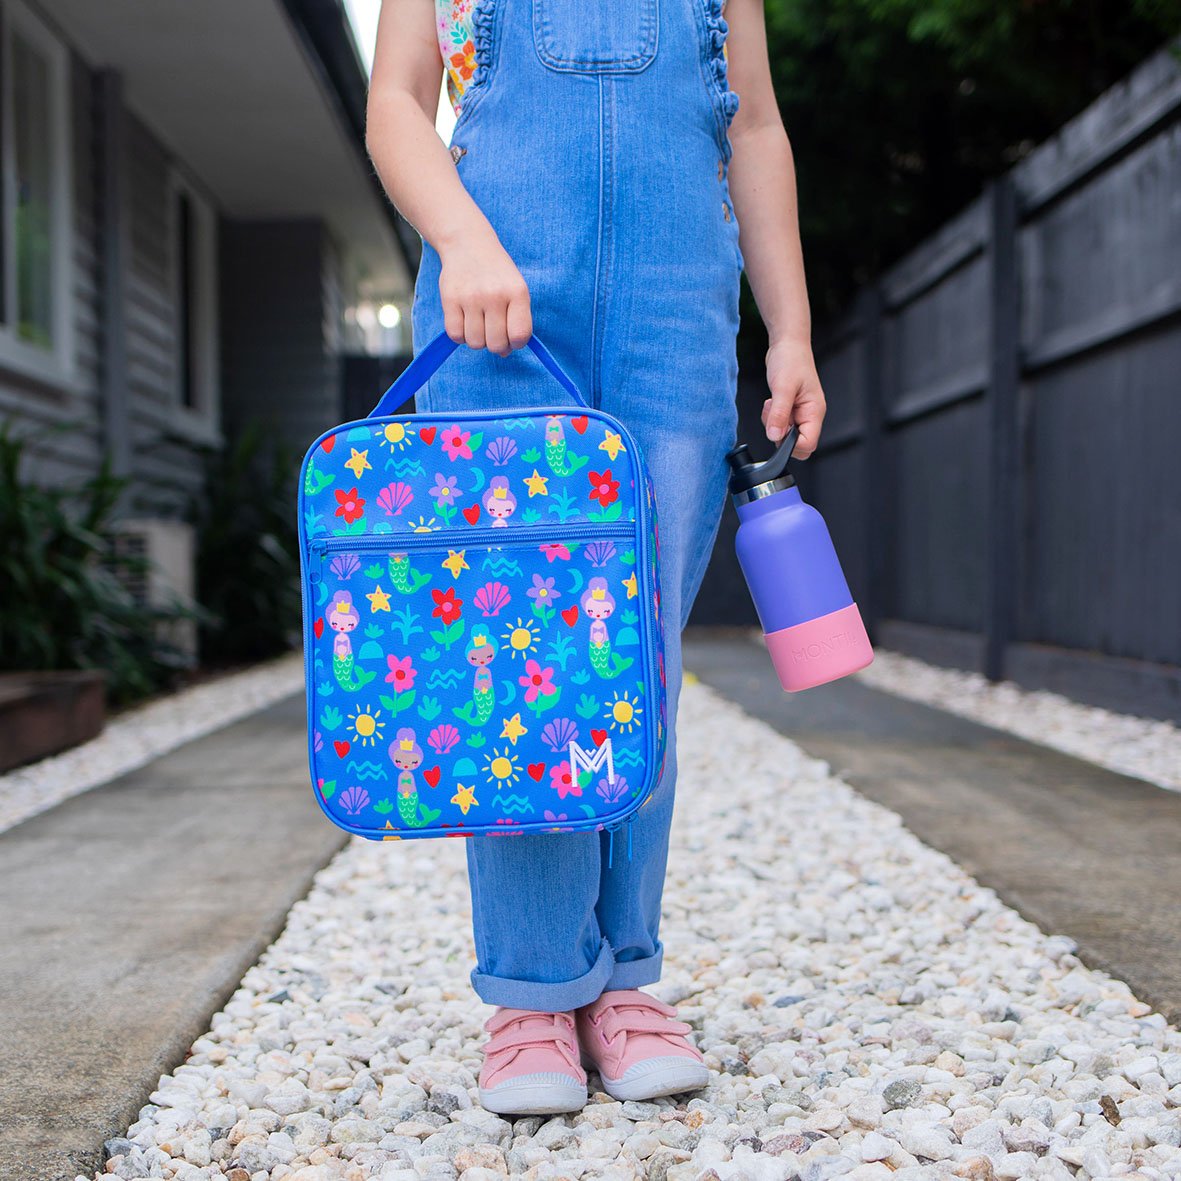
{"type": "Point", "coordinates": [446, 489]}
{"type": "Point", "coordinates": [542, 591]}
{"type": "Point", "coordinates": [402, 673]}
{"type": "Point", "coordinates": [603, 489]}
{"type": "Point", "coordinates": [447, 606]}
{"type": "Point", "coordinates": [560, 816]}
{"type": "Point", "coordinates": [350, 505]}
{"type": "Point", "coordinates": [563, 782]}
{"type": "Point", "coordinates": [455, 443]}
{"type": "Point", "coordinates": [538, 681]}
{"type": "Point", "coordinates": [464, 62]}
{"type": "Point", "coordinates": [555, 549]}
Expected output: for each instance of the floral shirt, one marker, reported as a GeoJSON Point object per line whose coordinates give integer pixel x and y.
{"type": "Point", "coordinates": [453, 21]}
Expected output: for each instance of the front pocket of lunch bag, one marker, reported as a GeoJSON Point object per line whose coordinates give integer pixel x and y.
{"type": "Point", "coordinates": [482, 680]}
{"type": "Point", "coordinates": [595, 38]}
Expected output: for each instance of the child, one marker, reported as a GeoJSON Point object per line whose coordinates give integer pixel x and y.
{"type": "Point", "coordinates": [599, 171]}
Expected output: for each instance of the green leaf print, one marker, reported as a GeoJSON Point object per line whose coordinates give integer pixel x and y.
{"type": "Point", "coordinates": [429, 709]}
{"type": "Point", "coordinates": [382, 807]}
{"type": "Point", "coordinates": [588, 706]}
{"type": "Point", "coordinates": [531, 456]}
{"type": "Point", "coordinates": [330, 718]}
{"type": "Point", "coordinates": [374, 571]}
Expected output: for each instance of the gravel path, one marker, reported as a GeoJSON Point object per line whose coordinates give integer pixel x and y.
{"type": "Point", "coordinates": [139, 735]}
{"type": "Point", "coordinates": [1144, 747]}
{"type": "Point", "coordinates": [870, 1012]}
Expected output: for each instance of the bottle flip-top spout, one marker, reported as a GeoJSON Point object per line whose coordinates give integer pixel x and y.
{"type": "Point", "coordinates": [750, 480]}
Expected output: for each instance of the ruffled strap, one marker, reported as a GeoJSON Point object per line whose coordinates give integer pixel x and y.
{"type": "Point", "coordinates": [482, 20]}
{"type": "Point", "coordinates": [716, 31]}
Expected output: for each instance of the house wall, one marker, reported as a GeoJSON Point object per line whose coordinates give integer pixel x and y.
{"type": "Point", "coordinates": [280, 299]}
{"type": "Point", "coordinates": [279, 314]}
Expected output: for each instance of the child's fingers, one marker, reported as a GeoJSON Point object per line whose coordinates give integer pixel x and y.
{"type": "Point", "coordinates": [453, 320]}
{"type": "Point", "coordinates": [520, 320]}
{"type": "Point", "coordinates": [496, 329]}
{"type": "Point", "coordinates": [473, 328]}
{"type": "Point", "coordinates": [777, 416]}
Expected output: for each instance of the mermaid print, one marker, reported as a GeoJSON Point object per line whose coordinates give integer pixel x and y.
{"type": "Point", "coordinates": [528, 598]}
{"type": "Point", "coordinates": [480, 652]}
{"type": "Point", "coordinates": [561, 462]}
{"type": "Point", "coordinates": [499, 501]}
{"type": "Point", "coordinates": [406, 755]}
{"type": "Point", "coordinates": [598, 604]}
{"type": "Point", "coordinates": [343, 618]}
{"type": "Point", "coordinates": [405, 578]}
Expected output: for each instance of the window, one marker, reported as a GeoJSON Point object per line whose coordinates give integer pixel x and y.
{"type": "Point", "coordinates": [192, 232]}
{"type": "Point", "coordinates": [35, 226]}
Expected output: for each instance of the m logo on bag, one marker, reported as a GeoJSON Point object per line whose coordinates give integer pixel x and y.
{"type": "Point", "coordinates": [592, 761]}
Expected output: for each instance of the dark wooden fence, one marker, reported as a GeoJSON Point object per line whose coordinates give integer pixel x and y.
{"type": "Point", "coordinates": [1001, 462]}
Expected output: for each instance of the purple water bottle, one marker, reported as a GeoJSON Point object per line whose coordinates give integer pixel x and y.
{"type": "Point", "coordinates": [812, 626]}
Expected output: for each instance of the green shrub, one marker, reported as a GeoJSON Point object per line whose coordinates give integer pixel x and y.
{"type": "Point", "coordinates": [62, 604]}
{"type": "Point", "coordinates": [247, 549]}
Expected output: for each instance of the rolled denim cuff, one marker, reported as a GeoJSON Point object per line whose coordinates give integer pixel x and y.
{"type": "Point", "coordinates": [634, 973]}
{"type": "Point", "coordinates": [548, 997]}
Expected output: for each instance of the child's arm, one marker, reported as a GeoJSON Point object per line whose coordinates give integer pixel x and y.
{"type": "Point", "coordinates": [485, 299]}
{"type": "Point", "coordinates": [762, 183]}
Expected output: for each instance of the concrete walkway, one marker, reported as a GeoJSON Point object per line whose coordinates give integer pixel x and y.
{"type": "Point", "coordinates": [1077, 849]}
{"type": "Point", "coordinates": [128, 915]}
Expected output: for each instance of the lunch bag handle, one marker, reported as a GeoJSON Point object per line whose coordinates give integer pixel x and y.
{"type": "Point", "coordinates": [428, 362]}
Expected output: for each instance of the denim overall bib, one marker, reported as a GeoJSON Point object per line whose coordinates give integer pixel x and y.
{"type": "Point", "coordinates": [594, 138]}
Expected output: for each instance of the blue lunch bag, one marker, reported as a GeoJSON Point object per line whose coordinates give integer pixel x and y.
{"type": "Point", "coordinates": [482, 629]}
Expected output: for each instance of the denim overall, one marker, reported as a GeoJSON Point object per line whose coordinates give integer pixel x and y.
{"type": "Point", "coordinates": [594, 138]}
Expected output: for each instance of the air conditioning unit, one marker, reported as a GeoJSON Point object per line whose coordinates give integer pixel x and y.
{"type": "Point", "coordinates": [168, 548]}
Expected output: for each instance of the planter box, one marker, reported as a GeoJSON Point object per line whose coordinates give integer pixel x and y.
{"type": "Point", "coordinates": [42, 713]}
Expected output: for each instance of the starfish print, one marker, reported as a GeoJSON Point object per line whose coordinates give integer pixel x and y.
{"type": "Point", "coordinates": [358, 461]}
{"type": "Point", "coordinates": [537, 484]}
{"type": "Point", "coordinates": [630, 583]}
{"type": "Point", "coordinates": [465, 797]}
{"type": "Point", "coordinates": [513, 728]}
{"type": "Point", "coordinates": [454, 561]}
{"type": "Point", "coordinates": [612, 444]}
{"type": "Point", "coordinates": [379, 600]}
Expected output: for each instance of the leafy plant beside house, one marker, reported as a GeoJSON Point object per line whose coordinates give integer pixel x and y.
{"type": "Point", "coordinates": [247, 549]}
{"type": "Point", "coordinates": [63, 604]}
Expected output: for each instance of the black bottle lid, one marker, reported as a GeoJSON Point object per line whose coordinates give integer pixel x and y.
{"type": "Point", "coordinates": [746, 474]}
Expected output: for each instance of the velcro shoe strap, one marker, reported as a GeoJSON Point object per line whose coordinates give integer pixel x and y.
{"type": "Point", "coordinates": [613, 1023]}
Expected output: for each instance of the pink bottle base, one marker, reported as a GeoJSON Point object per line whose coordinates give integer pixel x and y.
{"type": "Point", "coordinates": [820, 650]}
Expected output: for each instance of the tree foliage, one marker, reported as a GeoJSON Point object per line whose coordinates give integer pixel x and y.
{"type": "Point", "coordinates": [898, 111]}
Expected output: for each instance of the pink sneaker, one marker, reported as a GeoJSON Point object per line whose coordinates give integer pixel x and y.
{"type": "Point", "coordinates": [531, 1064]}
{"type": "Point", "coordinates": [638, 1050]}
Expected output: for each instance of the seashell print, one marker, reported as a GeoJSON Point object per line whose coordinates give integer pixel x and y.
{"type": "Point", "coordinates": [344, 566]}
{"type": "Point", "coordinates": [491, 597]}
{"type": "Point", "coordinates": [501, 450]}
{"type": "Point", "coordinates": [559, 733]}
{"type": "Point", "coordinates": [612, 793]}
{"type": "Point", "coordinates": [354, 799]}
{"type": "Point", "coordinates": [442, 738]}
{"type": "Point", "coordinates": [600, 552]}
{"type": "Point", "coordinates": [394, 498]}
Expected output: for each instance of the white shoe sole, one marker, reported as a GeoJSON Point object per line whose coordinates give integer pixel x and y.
{"type": "Point", "coordinates": [535, 1094]}
{"type": "Point", "coordinates": [654, 1077]}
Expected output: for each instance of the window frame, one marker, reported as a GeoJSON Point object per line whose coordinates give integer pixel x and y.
{"type": "Point", "coordinates": [57, 366]}
{"type": "Point", "coordinates": [201, 420]}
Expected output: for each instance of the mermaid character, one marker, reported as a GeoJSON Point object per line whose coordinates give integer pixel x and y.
{"type": "Point", "coordinates": [407, 755]}
{"type": "Point", "coordinates": [481, 651]}
{"type": "Point", "coordinates": [499, 501]}
{"type": "Point", "coordinates": [343, 618]}
{"type": "Point", "coordinates": [598, 604]}
{"type": "Point", "coordinates": [405, 578]}
{"type": "Point", "coordinates": [560, 461]}
{"type": "Point", "coordinates": [315, 480]}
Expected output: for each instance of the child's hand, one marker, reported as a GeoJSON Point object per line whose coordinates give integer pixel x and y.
{"type": "Point", "coordinates": [796, 395]}
{"type": "Point", "coordinates": [485, 299]}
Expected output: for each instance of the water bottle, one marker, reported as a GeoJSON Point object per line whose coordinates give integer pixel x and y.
{"type": "Point", "coordinates": [811, 624]}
